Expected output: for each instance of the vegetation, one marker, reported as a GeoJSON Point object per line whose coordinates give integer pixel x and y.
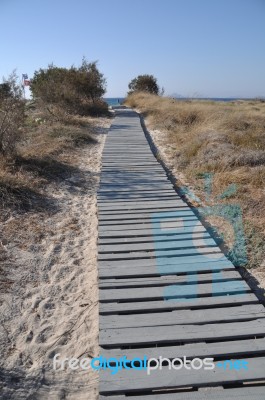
{"type": "Point", "coordinates": [75, 90]}
{"type": "Point", "coordinates": [11, 114]}
{"type": "Point", "coordinates": [226, 139]}
{"type": "Point", "coordinates": [38, 138]}
{"type": "Point", "coordinates": [144, 83]}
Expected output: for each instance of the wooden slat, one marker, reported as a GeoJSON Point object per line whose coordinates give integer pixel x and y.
{"type": "Point", "coordinates": [169, 279]}
{"type": "Point", "coordinates": [156, 245]}
{"type": "Point", "coordinates": [183, 317]}
{"type": "Point", "coordinates": [173, 291]}
{"type": "Point", "coordinates": [158, 238]}
{"type": "Point", "coordinates": [165, 378]}
{"type": "Point", "coordinates": [161, 266]}
{"type": "Point", "coordinates": [151, 210]}
{"type": "Point", "coordinates": [162, 305]}
{"type": "Point", "coordinates": [143, 215]}
{"type": "Point", "coordinates": [180, 333]}
{"type": "Point", "coordinates": [227, 350]}
{"type": "Point", "coordinates": [245, 393]}
{"type": "Point", "coordinates": [156, 226]}
{"type": "Point", "coordinates": [160, 253]}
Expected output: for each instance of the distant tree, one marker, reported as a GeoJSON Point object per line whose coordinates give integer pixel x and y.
{"type": "Point", "coordinates": [144, 83]}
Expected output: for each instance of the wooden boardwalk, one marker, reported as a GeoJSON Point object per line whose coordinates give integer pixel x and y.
{"type": "Point", "coordinates": [166, 289]}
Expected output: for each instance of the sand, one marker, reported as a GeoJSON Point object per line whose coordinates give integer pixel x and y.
{"type": "Point", "coordinates": [52, 306]}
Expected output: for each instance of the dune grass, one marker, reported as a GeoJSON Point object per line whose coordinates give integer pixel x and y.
{"type": "Point", "coordinates": [225, 139]}
{"type": "Point", "coordinates": [45, 152]}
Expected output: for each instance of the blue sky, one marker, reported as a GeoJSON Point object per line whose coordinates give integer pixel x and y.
{"type": "Point", "coordinates": [207, 48]}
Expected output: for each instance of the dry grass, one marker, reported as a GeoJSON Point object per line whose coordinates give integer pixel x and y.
{"type": "Point", "coordinates": [46, 155]}
{"type": "Point", "coordinates": [227, 139]}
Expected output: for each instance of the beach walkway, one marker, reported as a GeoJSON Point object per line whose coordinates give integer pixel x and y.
{"type": "Point", "coordinates": [166, 289]}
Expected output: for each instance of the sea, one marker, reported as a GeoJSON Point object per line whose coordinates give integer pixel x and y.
{"type": "Point", "coordinates": [115, 101]}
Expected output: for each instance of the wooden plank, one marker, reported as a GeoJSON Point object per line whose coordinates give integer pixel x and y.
{"type": "Point", "coordinates": [181, 333]}
{"type": "Point", "coordinates": [125, 158]}
{"type": "Point", "coordinates": [161, 266]}
{"type": "Point", "coordinates": [124, 199]}
{"type": "Point", "coordinates": [105, 180]}
{"type": "Point", "coordinates": [172, 221]}
{"type": "Point", "coordinates": [162, 207]}
{"type": "Point", "coordinates": [156, 225]}
{"type": "Point", "coordinates": [155, 245]}
{"type": "Point", "coordinates": [127, 233]}
{"type": "Point", "coordinates": [183, 317]}
{"type": "Point", "coordinates": [245, 393]}
{"type": "Point", "coordinates": [157, 238]}
{"type": "Point", "coordinates": [172, 200]}
{"type": "Point", "coordinates": [134, 187]}
{"type": "Point", "coordinates": [227, 349]}
{"type": "Point", "coordinates": [160, 253]}
{"type": "Point", "coordinates": [169, 279]}
{"type": "Point", "coordinates": [177, 291]}
{"type": "Point", "coordinates": [131, 164]}
{"type": "Point", "coordinates": [166, 219]}
{"type": "Point", "coordinates": [134, 380]}
{"type": "Point", "coordinates": [136, 193]}
{"type": "Point", "coordinates": [192, 304]}
{"type": "Point", "coordinates": [142, 215]}
{"type": "Point", "coordinates": [158, 172]}
{"type": "Point", "coordinates": [129, 168]}
{"type": "Point", "coordinates": [157, 269]}
{"type": "Point", "coordinates": [153, 211]}
{"type": "Point", "coordinates": [118, 182]}
{"type": "Point", "coordinates": [141, 193]}
{"type": "Point", "coordinates": [167, 236]}
{"type": "Point", "coordinates": [135, 197]}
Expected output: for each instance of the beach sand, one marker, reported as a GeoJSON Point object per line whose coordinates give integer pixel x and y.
{"type": "Point", "coordinates": [52, 306]}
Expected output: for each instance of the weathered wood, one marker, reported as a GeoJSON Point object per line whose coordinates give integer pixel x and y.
{"type": "Point", "coordinates": [155, 245]}
{"type": "Point", "coordinates": [228, 349]}
{"type": "Point", "coordinates": [165, 378]}
{"type": "Point", "coordinates": [245, 393]}
{"type": "Point", "coordinates": [192, 304]}
{"type": "Point", "coordinates": [152, 212]}
{"type": "Point", "coordinates": [162, 266]}
{"type": "Point", "coordinates": [180, 333]}
{"type": "Point", "coordinates": [161, 253]}
{"type": "Point", "coordinates": [155, 225]}
{"type": "Point", "coordinates": [177, 291]}
{"type": "Point", "coordinates": [169, 279]}
{"type": "Point", "coordinates": [133, 214]}
{"type": "Point", "coordinates": [157, 238]}
{"type": "Point", "coordinates": [183, 317]}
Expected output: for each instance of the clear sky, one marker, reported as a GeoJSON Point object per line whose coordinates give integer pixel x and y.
{"type": "Point", "coordinates": [206, 48]}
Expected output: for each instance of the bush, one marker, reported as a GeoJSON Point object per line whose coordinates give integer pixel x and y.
{"type": "Point", "coordinates": [77, 90]}
{"type": "Point", "coordinates": [12, 115]}
{"type": "Point", "coordinates": [144, 83]}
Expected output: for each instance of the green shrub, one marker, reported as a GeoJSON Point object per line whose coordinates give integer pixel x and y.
{"type": "Point", "coordinates": [144, 83]}
{"type": "Point", "coordinates": [77, 90]}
